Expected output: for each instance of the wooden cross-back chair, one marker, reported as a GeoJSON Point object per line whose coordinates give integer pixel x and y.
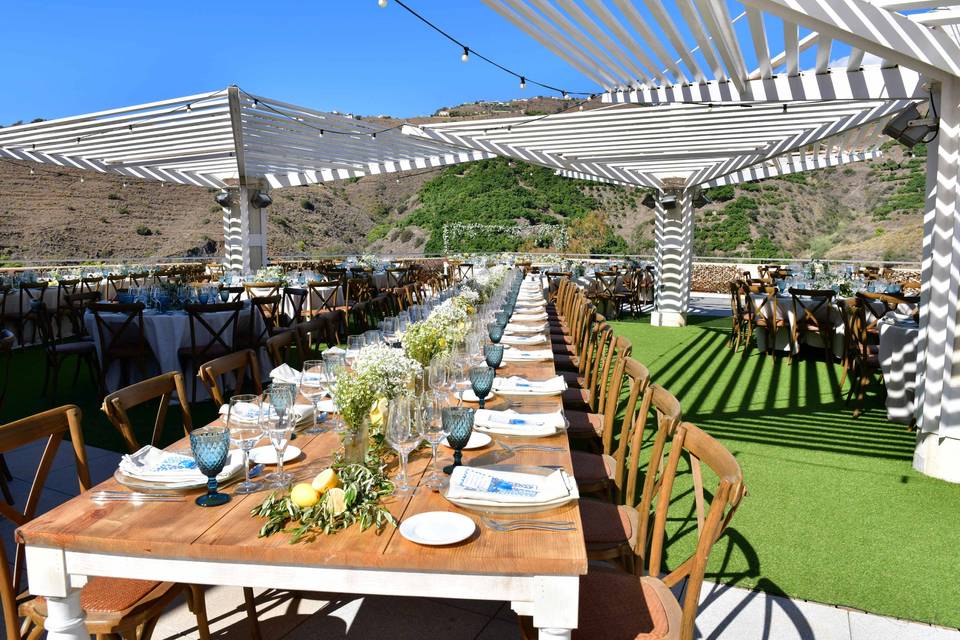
{"type": "Point", "coordinates": [7, 340]}
{"type": "Point", "coordinates": [762, 314]}
{"type": "Point", "coordinates": [239, 366]}
{"type": "Point", "coordinates": [294, 302]}
{"type": "Point", "coordinates": [77, 305]}
{"type": "Point", "coordinates": [464, 271]}
{"type": "Point", "coordinates": [397, 277]}
{"type": "Point", "coordinates": [358, 289]}
{"type": "Point", "coordinates": [327, 293]}
{"type": "Point", "coordinates": [234, 294]}
{"type": "Point", "coordinates": [641, 604]}
{"type": "Point", "coordinates": [738, 314]}
{"type": "Point", "coordinates": [114, 285]}
{"type": "Point", "coordinates": [63, 310]}
{"type": "Point", "coordinates": [554, 278]}
{"type": "Point", "coordinates": [813, 313]}
{"type": "Point", "coordinates": [162, 388]}
{"type": "Point", "coordinates": [601, 473]}
{"type": "Point", "coordinates": [597, 358]}
{"type": "Point", "coordinates": [282, 348]}
{"type": "Point", "coordinates": [90, 283]}
{"type": "Point", "coordinates": [264, 321]}
{"type": "Point", "coordinates": [114, 607]}
{"type": "Point", "coordinates": [30, 292]}
{"type": "Point", "coordinates": [121, 340]}
{"type": "Point", "coordinates": [322, 329]}
{"type": "Point", "coordinates": [139, 279]}
{"type": "Point", "coordinates": [57, 354]}
{"type": "Point", "coordinates": [262, 289]}
{"type": "Point", "coordinates": [206, 340]}
{"type": "Point", "coordinates": [861, 353]}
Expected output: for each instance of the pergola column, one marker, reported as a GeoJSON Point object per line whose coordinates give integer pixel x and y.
{"type": "Point", "coordinates": [673, 234]}
{"type": "Point", "coordinates": [244, 231]}
{"type": "Point", "coordinates": [938, 372]}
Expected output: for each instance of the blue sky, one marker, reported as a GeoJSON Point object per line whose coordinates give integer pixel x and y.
{"type": "Point", "coordinates": [68, 57]}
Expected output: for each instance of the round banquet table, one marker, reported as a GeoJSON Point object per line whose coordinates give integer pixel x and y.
{"type": "Point", "coordinates": [166, 333]}
{"type": "Point", "coordinates": [782, 342]}
{"type": "Point", "coordinates": [898, 361]}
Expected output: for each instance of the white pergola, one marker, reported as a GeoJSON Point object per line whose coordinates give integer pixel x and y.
{"type": "Point", "coordinates": [232, 140]}
{"type": "Point", "coordinates": [710, 92]}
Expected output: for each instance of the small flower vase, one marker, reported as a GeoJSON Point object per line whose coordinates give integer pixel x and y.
{"type": "Point", "coordinates": [356, 440]}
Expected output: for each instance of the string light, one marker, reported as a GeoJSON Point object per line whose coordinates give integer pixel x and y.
{"type": "Point", "coordinates": [382, 3]}
{"type": "Point", "coordinates": [189, 107]}
{"type": "Point", "coordinates": [466, 54]}
{"type": "Point", "coordinates": [32, 172]}
{"type": "Point", "coordinates": [373, 136]}
{"type": "Point", "coordinates": [523, 82]}
{"type": "Point", "coordinates": [320, 135]}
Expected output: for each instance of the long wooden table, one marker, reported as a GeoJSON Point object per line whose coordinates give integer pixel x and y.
{"type": "Point", "coordinates": [537, 571]}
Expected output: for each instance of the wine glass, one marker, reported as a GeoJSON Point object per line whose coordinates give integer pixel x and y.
{"type": "Point", "coordinates": [278, 398]}
{"type": "Point", "coordinates": [371, 337]}
{"type": "Point", "coordinates": [432, 430]}
{"type": "Point", "coordinates": [211, 449]}
{"type": "Point", "coordinates": [243, 420]}
{"type": "Point", "coordinates": [458, 424]}
{"type": "Point", "coordinates": [354, 345]}
{"type": "Point", "coordinates": [312, 387]}
{"type": "Point", "coordinates": [438, 374]}
{"type": "Point", "coordinates": [403, 435]}
{"type": "Point", "coordinates": [493, 353]}
{"type": "Point", "coordinates": [481, 379]}
{"type": "Point", "coordinates": [495, 332]}
{"type": "Point", "coordinates": [389, 328]}
{"type": "Point", "coordinates": [333, 366]}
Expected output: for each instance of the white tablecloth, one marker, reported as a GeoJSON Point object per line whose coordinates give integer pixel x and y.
{"type": "Point", "coordinates": [898, 360]}
{"type": "Point", "coordinates": [828, 312]}
{"type": "Point", "coordinates": [166, 334]}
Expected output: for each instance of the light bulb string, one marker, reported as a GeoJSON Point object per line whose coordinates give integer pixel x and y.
{"type": "Point", "coordinates": [473, 52]}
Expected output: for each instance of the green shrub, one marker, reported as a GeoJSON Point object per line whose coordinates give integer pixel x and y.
{"type": "Point", "coordinates": [143, 230]}
{"type": "Point", "coordinates": [307, 204]}
{"type": "Point", "coordinates": [113, 196]}
{"type": "Point", "coordinates": [378, 232]}
{"type": "Point", "coordinates": [406, 235]}
{"type": "Point", "coordinates": [750, 186]}
{"type": "Point", "coordinates": [721, 194]}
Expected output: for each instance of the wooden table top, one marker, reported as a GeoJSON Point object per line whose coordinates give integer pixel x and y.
{"type": "Point", "coordinates": [182, 530]}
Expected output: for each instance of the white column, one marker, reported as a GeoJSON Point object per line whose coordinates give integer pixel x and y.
{"type": "Point", "coordinates": [674, 259]}
{"type": "Point", "coordinates": [938, 372]}
{"type": "Point", "coordinates": [244, 232]}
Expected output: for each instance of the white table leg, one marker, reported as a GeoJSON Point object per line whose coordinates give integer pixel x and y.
{"type": "Point", "coordinates": [554, 608]}
{"type": "Point", "coordinates": [555, 634]}
{"type": "Point", "coordinates": [46, 571]}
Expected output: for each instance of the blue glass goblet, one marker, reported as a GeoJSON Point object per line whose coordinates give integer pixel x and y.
{"type": "Point", "coordinates": [458, 425]}
{"type": "Point", "coordinates": [493, 354]}
{"type": "Point", "coordinates": [211, 448]}
{"type": "Point", "coordinates": [481, 379]}
{"type": "Point", "coordinates": [495, 331]}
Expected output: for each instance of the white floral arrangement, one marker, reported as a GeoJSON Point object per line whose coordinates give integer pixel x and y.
{"type": "Point", "coordinates": [273, 273]}
{"type": "Point", "coordinates": [443, 328]}
{"type": "Point", "coordinates": [370, 261]}
{"type": "Point", "coordinates": [390, 373]}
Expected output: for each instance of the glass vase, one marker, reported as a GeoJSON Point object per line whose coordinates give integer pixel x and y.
{"type": "Point", "coordinates": [356, 440]}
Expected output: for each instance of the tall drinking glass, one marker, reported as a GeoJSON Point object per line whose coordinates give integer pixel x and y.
{"type": "Point", "coordinates": [403, 435]}
{"type": "Point", "coordinates": [354, 345]}
{"type": "Point", "coordinates": [432, 429]}
{"type": "Point", "coordinates": [313, 388]}
{"type": "Point", "coordinates": [243, 419]}
{"type": "Point", "coordinates": [211, 449]}
{"type": "Point", "coordinates": [278, 427]}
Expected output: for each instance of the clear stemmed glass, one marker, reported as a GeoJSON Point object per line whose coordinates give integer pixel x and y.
{"type": "Point", "coordinates": [313, 388]}
{"type": "Point", "coordinates": [211, 449]}
{"type": "Point", "coordinates": [243, 420]}
{"type": "Point", "coordinates": [438, 374]}
{"type": "Point", "coordinates": [403, 435]}
{"type": "Point", "coordinates": [333, 366]}
{"type": "Point", "coordinates": [389, 326]}
{"type": "Point", "coordinates": [433, 430]}
{"type": "Point", "coordinates": [354, 345]}
{"type": "Point", "coordinates": [277, 427]}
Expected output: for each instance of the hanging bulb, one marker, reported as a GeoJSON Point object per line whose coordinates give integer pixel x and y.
{"type": "Point", "coordinates": [189, 107]}
{"type": "Point", "coordinates": [382, 3]}
{"type": "Point", "coordinates": [580, 107]}
{"type": "Point", "coordinates": [466, 54]}
{"type": "Point", "coordinates": [320, 135]}
{"type": "Point", "coordinates": [32, 172]}
{"type": "Point", "coordinates": [81, 179]}
{"type": "Point", "coordinates": [124, 185]}
{"type": "Point", "coordinates": [523, 82]}
{"type": "Point", "coordinates": [373, 136]}
{"type": "Point", "coordinates": [566, 95]}
{"type": "Point", "coordinates": [398, 180]}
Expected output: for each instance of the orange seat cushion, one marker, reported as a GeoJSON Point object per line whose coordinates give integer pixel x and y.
{"type": "Point", "coordinates": [106, 595]}
{"type": "Point", "coordinates": [576, 400]}
{"type": "Point", "coordinates": [584, 423]}
{"type": "Point", "coordinates": [573, 379]}
{"type": "Point", "coordinates": [592, 468]}
{"type": "Point", "coordinates": [616, 605]}
{"type": "Point", "coordinates": [607, 526]}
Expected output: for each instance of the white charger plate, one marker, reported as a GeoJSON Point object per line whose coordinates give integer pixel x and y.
{"type": "Point", "coordinates": [268, 455]}
{"type": "Point", "coordinates": [476, 441]}
{"type": "Point", "coordinates": [468, 395]}
{"type": "Point", "coordinates": [436, 528]}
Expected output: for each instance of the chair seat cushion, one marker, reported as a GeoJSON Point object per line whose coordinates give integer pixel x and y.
{"type": "Point", "coordinates": [616, 605]}
{"type": "Point", "coordinates": [607, 526]}
{"type": "Point", "coordinates": [584, 424]}
{"type": "Point", "coordinates": [573, 379]}
{"type": "Point", "coordinates": [106, 595]}
{"type": "Point", "coordinates": [75, 348]}
{"type": "Point", "coordinates": [576, 400]}
{"type": "Point", "coordinates": [592, 468]}
{"type": "Point", "coordinates": [563, 362]}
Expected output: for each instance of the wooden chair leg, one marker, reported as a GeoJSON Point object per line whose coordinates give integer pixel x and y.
{"type": "Point", "coordinates": [251, 607]}
{"type": "Point", "coordinates": [198, 605]}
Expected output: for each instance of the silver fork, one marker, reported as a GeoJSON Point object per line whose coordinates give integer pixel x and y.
{"type": "Point", "coordinates": [504, 526]}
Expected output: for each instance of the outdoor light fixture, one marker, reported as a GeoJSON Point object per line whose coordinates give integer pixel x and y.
{"type": "Point", "coordinates": [382, 3]}
{"type": "Point", "coordinates": [649, 200]}
{"type": "Point", "coordinates": [668, 201]}
{"type": "Point", "coordinates": [466, 54]}
{"type": "Point", "coordinates": [260, 200]}
{"type": "Point", "coordinates": [701, 199]}
{"type": "Point", "coordinates": [223, 199]}
{"type": "Point", "coordinates": [909, 128]}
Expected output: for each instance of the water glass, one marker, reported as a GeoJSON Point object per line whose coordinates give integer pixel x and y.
{"type": "Point", "coordinates": [495, 332]}
{"type": "Point", "coordinates": [371, 337]}
{"type": "Point", "coordinates": [277, 426]}
{"type": "Point", "coordinates": [403, 435]}
{"type": "Point", "coordinates": [432, 430]}
{"type": "Point", "coordinates": [211, 449]}
{"type": "Point", "coordinates": [438, 374]}
{"type": "Point", "coordinates": [313, 388]}
{"type": "Point", "coordinates": [403, 321]}
{"type": "Point", "coordinates": [389, 328]}
{"type": "Point", "coordinates": [245, 433]}
{"type": "Point", "coordinates": [481, 379]}
{"type": "Point", "coordinates": [458, 425]}
{"type": "Point", "coordinates": [354, 345]}
{"type": "Point", "coordinates": [493, 353]}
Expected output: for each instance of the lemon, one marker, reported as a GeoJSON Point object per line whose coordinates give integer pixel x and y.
{"type": "Point", "coordinates": [325, 480]}
{"type": "Point", "coordinates": [336, 501]}
{"type": "Point", "coordinates": [304, 496]}
{"type": "Point", "coordinates": [378, 413]}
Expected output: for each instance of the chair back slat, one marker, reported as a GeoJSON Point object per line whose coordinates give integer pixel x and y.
{"type": "Point", "coordinates": [207, 340]}
{"type": "Point", "coordinates": [294, 300]}
{"type": "Point", "coordinates": [162, 388]}
{"type": "Point", "coordinates": [238, 365]}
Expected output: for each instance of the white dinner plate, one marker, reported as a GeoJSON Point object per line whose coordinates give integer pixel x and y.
{"type": "Point", "coordinates": [437, 528]}
{"type": "Point", "coordinates": [268, 455]}
{"type": "Point", "coordinates": [469, 396]}
{"type": "Point", "coordinates": [476, 441]}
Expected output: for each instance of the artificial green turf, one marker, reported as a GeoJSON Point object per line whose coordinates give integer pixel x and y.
{"type": "Point", "coordinates": [835, 513]}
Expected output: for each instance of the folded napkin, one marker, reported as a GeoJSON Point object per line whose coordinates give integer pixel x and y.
{"type": "Point", "coordinates": [513, 327]}
{"type": "Point", "coordinates": [285, 373]}
{"type": "Point", "coordinates": [157, 465]}
{"type": "Point", "coordinates": [536, 338]}
{"type": "Point", "coordinates": [516, 385]}
{"type": "Point", "coordinates": [334, 350]}
{"type": "Point", "coordinates": [505, 487]}
{"type": "Point", "coordinates": [529, 307]}
{"type": "Point", "coordinates": [523, 316]}
{"type": "Point", "coordinates": [249, 412]}
{"type": "Point", "coordinates": [537, 355]}
{"type": "Point", "coordinates": [511, 423]}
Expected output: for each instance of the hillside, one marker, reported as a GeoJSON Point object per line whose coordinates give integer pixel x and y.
{"type": "Point", "coordinates": [866, 211]}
